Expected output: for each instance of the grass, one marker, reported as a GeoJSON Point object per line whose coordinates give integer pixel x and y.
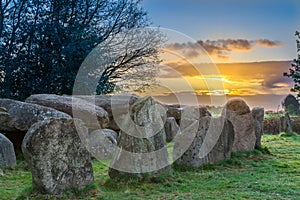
{"type": "Point", "coordinates": [248, 175]}
{"type": "Point", "coordinates": [273, 115]}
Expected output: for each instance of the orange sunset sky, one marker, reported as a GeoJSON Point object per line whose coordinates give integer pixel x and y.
{"type": "Point", "coordinates": [234, 49]}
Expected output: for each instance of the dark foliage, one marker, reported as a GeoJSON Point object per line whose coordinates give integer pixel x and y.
{"type": "Point", "coordinates": [294, 71]}
{"type": "Point", "coordinates": [44, 42]}
{"type": "Point", "coordinates": [291, 105]}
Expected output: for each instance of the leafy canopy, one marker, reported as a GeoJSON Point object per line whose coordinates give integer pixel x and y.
{"type": "Point", "coordinates": [294, 71]}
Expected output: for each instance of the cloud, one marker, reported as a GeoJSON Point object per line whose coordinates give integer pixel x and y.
{"type": "Point", "coordinates": [220, 48]}
{"type": "Point", "coordinates": [268, 43]}
{"type": "Point", "coordinates": [243, 79]}
{"type": "Point", "coordinates": [277, 82]}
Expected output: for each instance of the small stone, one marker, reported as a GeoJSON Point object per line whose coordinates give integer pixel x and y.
{"type": "Point", "coordinates": [174, 111]}
{"type": "Point", "coordinates": [7, 153]}
{"type": "Point", "coordinates": [258, 116]}
{"type": "Point", "coordinates": [171, 129]}
{"type": "Point", "coordinates": [102, 143]}
{"type": "Point", "coordinates": [2, 109]}
{"type": "Point", "coordinates": [286, 124]}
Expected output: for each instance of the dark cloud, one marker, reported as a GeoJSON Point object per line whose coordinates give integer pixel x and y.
{"type": "Point", "coordinates": [276, 82]}
{"type": "Point", "coordinates": [268, 43]}
{"type": "Point", "coordinates": [221, 48]}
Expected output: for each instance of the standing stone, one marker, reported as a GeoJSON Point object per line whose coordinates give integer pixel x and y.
{"type": "Point", "coordinates": [186, 151]}
{"type": "Point", "coordinates": [203, 139]}
{"type": "Point", "coordinates": [258, 117]}
{"type": "Point", "coordinates": [141, 151]}
{"type": "Point", "coordinates": [57, 157]}
{"type": "Point", "coordinates": [239, 114]}
{"type": "Point", "coordinates": [171, 129]}
{"type": "Point", "coordinates": [223, 147]}
{"type": "Point", "coordinates": [7, 153]}
{"type": "Point", "coordinates": [286, 125]}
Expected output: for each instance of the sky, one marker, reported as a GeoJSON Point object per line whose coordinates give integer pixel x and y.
{"type": "Point", "coordinates": [251, 43]}
{"type": "Point", "coordinates": [275, 20]}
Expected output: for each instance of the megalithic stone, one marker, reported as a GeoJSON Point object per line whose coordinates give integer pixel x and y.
{"type": "Point", "coordinates": [142, 151]}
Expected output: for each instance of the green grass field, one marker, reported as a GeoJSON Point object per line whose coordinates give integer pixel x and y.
{"type": "Point", "coordinates": [248, 175]}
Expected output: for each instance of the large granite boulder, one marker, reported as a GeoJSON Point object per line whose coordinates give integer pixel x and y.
{"type": "Point", "coordinates": [93, 116]}
{"type": "Point", "coordinates": [57, 157]}
{"type": "Point", "coordinates": [20, 116]}
{"type": "Point", "coordinates": [7, 153]}
{"type": "Point", "coordinates": [171, 129]}
{"type": "Point", "coordinates": [239, 114]}
{"type": "Point", "coordinates": [141, 150]}
{"type": "Point", "coordinates": [17, 117]}
{"type": "Point", "coordinates": [203, 139]}
{"type": "Point", "coordinates": [113, 104]}
{"type": "Point", "coordinates": [258, 117]}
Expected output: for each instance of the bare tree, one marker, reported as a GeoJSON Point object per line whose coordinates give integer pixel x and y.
{"type": "Point", "coordinates": [125, 62]}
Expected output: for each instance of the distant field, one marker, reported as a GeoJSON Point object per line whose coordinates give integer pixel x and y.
{"type": "Point", "coordinates": [249, 175]}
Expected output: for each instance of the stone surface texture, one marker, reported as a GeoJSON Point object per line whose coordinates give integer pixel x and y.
{"type": "Point", "coordinates": [23, 115]}
{"type": "Point", "coordinates": [93, 116]}
{"type": "Point", "coordinates": [239, 114]}
{"type": "Point", "coordinates": [7, 153]}
{"type": "Point", "coordinates": [258, 117]}
{"type": "Point", "coordinates": [57, 157]}
{"type": "Point", "coordinates": [141, 148]}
